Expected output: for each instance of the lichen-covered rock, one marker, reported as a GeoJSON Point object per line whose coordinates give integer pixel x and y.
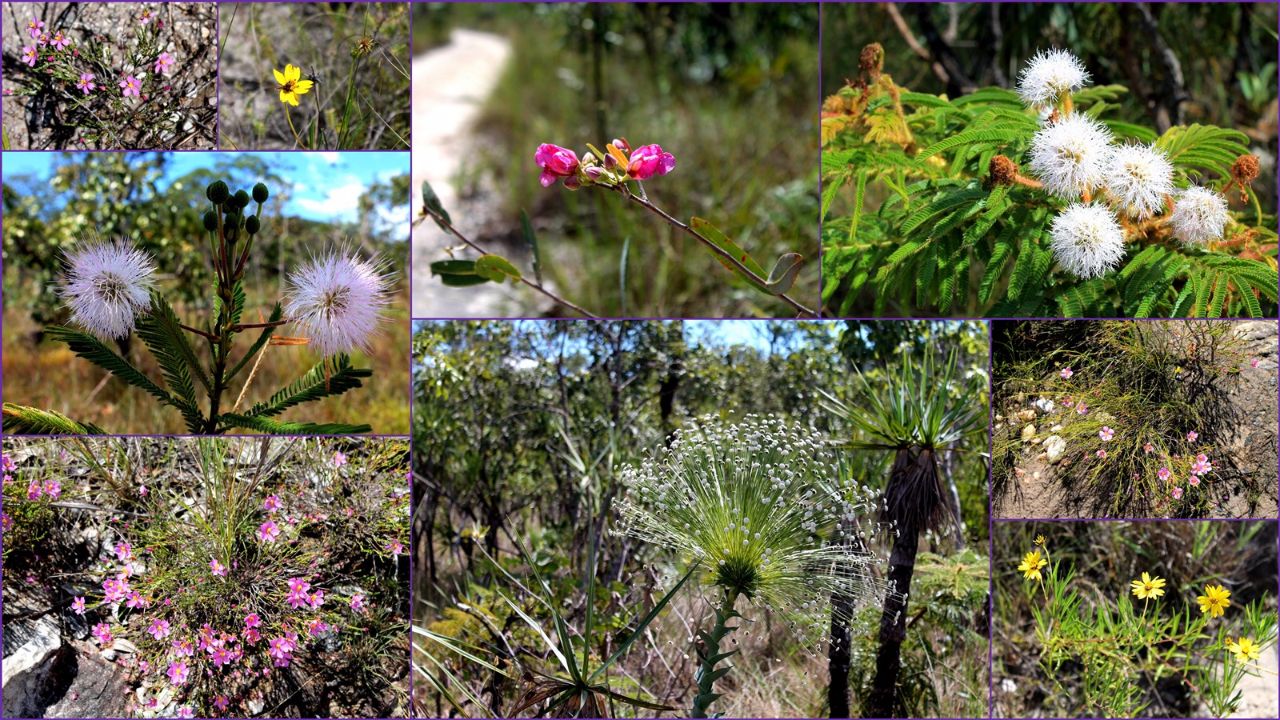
{"type": "Point", "coordinates": [29, 671]}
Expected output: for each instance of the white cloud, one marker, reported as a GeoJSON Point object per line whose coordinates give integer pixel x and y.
{"type": "Point", "coordinates": [331, 158]}
{"type": "Point", "coordinates": [340, 201]}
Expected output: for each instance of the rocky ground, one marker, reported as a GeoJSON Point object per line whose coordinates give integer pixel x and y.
{"type": "Point", "coordinates": [1038, 494]}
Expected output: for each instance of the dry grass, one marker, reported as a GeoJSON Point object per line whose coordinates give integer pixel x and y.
{"type": "Point", "coordinates": [49, 376]}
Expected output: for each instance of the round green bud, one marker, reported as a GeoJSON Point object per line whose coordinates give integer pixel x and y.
{"type": "Point", "coordinates": [242, 199]}
{"type": "Point", "coordinates": [211, 221]}
{"type": "Point", "coordinates": [252, 224]}
{"type": "Point", "coordinates": [260, 193]}
{"type": "Point", "coordinates": [218, 192]}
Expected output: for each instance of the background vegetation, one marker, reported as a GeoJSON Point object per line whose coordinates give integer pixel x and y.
{"type": "Point", "coordinates": [519, 431]}
{"type": "Point", "coordinates": [729, 89]}
{"type": "Point", "coordinates": [133, 195]}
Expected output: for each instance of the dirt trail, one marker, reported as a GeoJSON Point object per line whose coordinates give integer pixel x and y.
{"type": "Point", "coordinates": [450, 85]}
{"type": "Point", "coordinates": [1258, 691]}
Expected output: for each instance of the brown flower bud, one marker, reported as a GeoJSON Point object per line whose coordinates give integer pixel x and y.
{"type": "Point", "coordinates": [1245, 169]}
{"type": "Point", "coordinates": [871, 60]}
{"type": "Point", "coordinates": [1002, 170]}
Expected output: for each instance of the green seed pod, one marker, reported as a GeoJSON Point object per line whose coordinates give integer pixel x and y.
{"type": "Point", "coordinates": [242, 199]}
{"type": "Point", "coordinates": [260, 193]}
{"type": "Point", "coordinates": [252, 224]}
{"type": "Point", "coordinates": [218, 192]}
{"type": "Point", "coordinates": [211, 221]}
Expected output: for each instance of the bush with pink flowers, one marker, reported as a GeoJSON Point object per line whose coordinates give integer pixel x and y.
{"type": "Point", "coordinates": [222, 576]}
{"type": "Point", "coordinates": [123, 76]}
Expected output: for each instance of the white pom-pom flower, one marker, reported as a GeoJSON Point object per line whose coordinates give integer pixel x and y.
{"type": "Point", "coordinates": [1070, 156]}
{"type": "Point", "coordinates": [107, 285]}
{"type": "Point", "coordinates": [1138, 179]}
{"type": "Point", "coordinates": [337, 300]}
{"type": "Point", "coordinates": [1199, 215]}
{"type": "Point", "coordinates": [1087, 240]}
{"type": "Point", "coordinates": [1049, 75]}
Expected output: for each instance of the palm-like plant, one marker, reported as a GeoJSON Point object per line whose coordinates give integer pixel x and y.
{"type": "Point", "coordinates": [916, 414]}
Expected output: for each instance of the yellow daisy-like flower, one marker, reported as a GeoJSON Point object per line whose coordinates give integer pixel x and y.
{"type": "Point", "coordinates": [1246, 650]}
{"type": "Point", "coordinates": [1040, 541]}
{"type": "Point", "coordinates": [1031, 564]}
{"type": "Point", "coordinates": [1148, 587]}
{"type": "Point", "coordinates": [1214, 601]}
{"type": "Point", "coordinates": [291, 84]}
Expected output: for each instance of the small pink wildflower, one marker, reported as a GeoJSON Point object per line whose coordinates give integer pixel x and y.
{"type": "Point", "coordinates": [6, 522]}
{"type": "Point", "coordinates": [142, 489]}
{"type": "Point", "coordinates": [34, 28]}
{"type": "Point", "coordinates": [124, 552]}
{"type": "Point", "coordinates": [217, 568]}
{"type": "Point", "coordinates": [1106, 433]}
{"type": "Point", "coordinates": [60, 40]}
{"type": "Point", "coordinates": [145, 17]}
{"type": "Point", "coordinates": [316, 599]}
{"type": "Point", "coordinates": [53, 489]}
{"type": "Point", "coordinates": [131, 86]}
{"type": "Point", "coordinates": [1101, 454]}
{"type": "Point", "coordinates": [1177, 493]}
{"type": "Point", "coordinates": [184, 647]}
{"type": "Point", "coordinates": [1148, 448]}
{"type": "Point", "coordinates": [272, 503]}
{"type": "Point", "coordinates": [221, 703]}
{"type": "Point", "coordinates": [648, 161]}
{"type": "Point", "coordinates": [339, 459]}
{"type": "Point", "coordinates": [164, 62]}
{"type": "Point", "coordinates": [1254, 362]}
{"type": "Point", "coordinates": [7, 464]}
{"type": "Point", "coordinates": [395, 548]}
{"type": "Point", "coordinates": [1191, 436]}
{"type": "Point", "coordinates": [114, 589]}
{"type": "Point", "coordinates": [316, 626]}
{"type": "Point", "coordinates": [557, 162]}
{"type": "Point", "coordinates": [102, 632]}
{"type": "Point", "coordinates": [268, 532]}
{"type": "Point", "coordinates": [77, 606]}
{"type": "Point", "coordinates": [1164, 473]}
{"type": "Point", "coordinates": [137, 601]}
{"type": "Point", "coordinates": [357, 603]}
{"type": "Point", "coordinates": [185, 712]}
{"type": "Point", "coordinates": [220, 655]}
{"type": "Point", "coordinates": [1201, 466]}
{"type": "Point", "coordinates": [159, 629]}
{"type": "Point", "coordinates": [252, 620]}
{"type": "Point", "coordinates": [1194, 481]}
{"type": "Point", "coordinates": [35, 490]}
{"type": "Point", "coordinates": [43, 40]}
{"type": "Point", "coordinates": [1082, 408]}
{"type": "Point", "coordinates": [1066, 373]}
{"type": "Point", "coordinates": [86, 86]}
{"type": "Point", "coordinates": [251, 636]}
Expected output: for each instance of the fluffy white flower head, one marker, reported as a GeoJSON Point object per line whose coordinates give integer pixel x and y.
{"type": "Point", "coordinates": [1199, 215]}
{"type": "Point", "coordinates": [1087, 240]}
{"type": "Point", "coordinates": [1070, 156]}
{"type": "Point", "coordinates": [1138, 179]}
{"type": "Point", "coordinates": [107, 285]}
{"type": "Point", "coordinates": [1049, 75]}
{"type": "Point", "coordinates": [337, 300]}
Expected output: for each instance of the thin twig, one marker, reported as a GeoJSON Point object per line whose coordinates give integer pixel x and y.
{"type": "Point", "coordinates": [199, 332]}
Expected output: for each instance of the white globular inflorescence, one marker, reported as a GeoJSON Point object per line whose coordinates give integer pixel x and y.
{"type": "Point", "coordinates": [107, 285]}
{"type": "Point", "coordinates": [1050, 75]}
{"type": "Point", "coordinates": [1087, 240]}
{"type": "Point", "coordinates": [1070, 156]}
{"type": "Point", "coordinates": [758, 507]}
{"type": "Point", "coordinates": [1199, 215]}
{"type": "Point", "coordinates": [1138, 179]}
{"type": "Point", "coordinates": [337, 301]}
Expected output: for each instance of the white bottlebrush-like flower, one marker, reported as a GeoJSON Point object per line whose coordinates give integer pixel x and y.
{"type": "Point", "coordinates": [337, 300]}
{"type": "Point", "coordinates": [107, 285]}
{"type": "Point", "coordinates": [1070, 156]}
{"type": "Point", "coordinates": [1049, 75]}
{"type": "Point", "coordinates": [1199, 215]}
{"type": "Point", "coordinates": [757, 506]}
{"type": "Point", "coordinates": [1138, 179]}
{"type": "Point", "coordinates": [1087, 240]}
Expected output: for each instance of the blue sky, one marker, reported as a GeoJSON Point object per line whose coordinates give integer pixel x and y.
{"type": "Point", "coordinates": [327, 185]}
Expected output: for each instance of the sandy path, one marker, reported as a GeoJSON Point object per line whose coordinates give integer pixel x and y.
{"type": "Point", "coordinates": [1258, 692]}
{"type": "Point", "coordinates": [450, 84]}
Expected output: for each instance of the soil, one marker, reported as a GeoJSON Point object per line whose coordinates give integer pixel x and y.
{"type": "Point", "coordinates": [1037, 494]}
{"type": "Point", "coordinates": [32, 122]}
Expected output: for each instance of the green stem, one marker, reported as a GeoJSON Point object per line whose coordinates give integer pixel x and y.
{"type": "Point", "coordinates": [712, 656]}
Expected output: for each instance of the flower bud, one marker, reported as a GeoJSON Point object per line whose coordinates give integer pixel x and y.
{"type": "Point", "coordinates": [622, 144]}
{"type": "Point", "coordinates": [242, 199]}
{"type": "Point", "coordinates": [260, 193]}
{"type": "Point", "coordinates": [211, 221]}
{"type": "Point", "coordinates": [1002, 170]}
{"type": "Point", "coordinates": [217, 192]}
{"type": "Point", "coordinates": [594, 172]}
{"type": "Point", "coordinates": [252, 224]}
{"type": "Point", "coordinates": [556, 162]}
{"type": "Point", "coordinates": [1245, 169]}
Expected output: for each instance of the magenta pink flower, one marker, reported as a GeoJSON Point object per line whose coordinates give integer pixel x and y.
{"type": "Point", "coordinates": [131, 86]}
{"type": "Point", "coordinates": [1254, 362]}
{"type": "Point", "coordinates": [53, 489]}
{"type": "Point", "coordinates": [1164, 473]}
{"type": "Point", "coordinates": [7, 464]}
{"type": "Point", "coordinates": [137, 601]}
{"type": "Point", "coordinates": [34, 28]}
{"type": "Point", "coordinates": [185, 712]}
{"type": "Point", "coordinates": [145, 17]}
{"type": "Point", "coordinates": [1106, 433]}
{"type": "Point", "coordinates": [648, 161]}
{"type": "Point", "coordinates": [220, 656]}
{"type": "Point", "coordinates": [357, 603]}
{"type": "Point", "coordinates": [251, 636]}
{"type": "Point", "coordinates": [60, 40]}
{"type": "Point", "coordinates": [102, 632]}
{"type": "Point", "coordinates": [184, 647]}
{"type": "Point", "coordinates": [1101, 454]}
{"type": "Point", "coordinates": [35, 490]}
{"type": "Point", "coordinates": [159, 629]}
{"type": "Point", "coordinates": [43, 39]}
{"type": "Point", "coordinates": [6, 521]}
{"type": "Point", "coordinates": [30, 55]}
{"type": "Point", "coordinates": [1191, 436]}
{"type": "Point", "coordinates": [316, 600]}
{"type": "Point", "coordinates": [556, 162]}
{"type": "Point", "coordinates": [177, 672]}
{"type": "Point", "coordinates": [271, 504]}
{"type": "Point", "coordinates": [1194, 480]}
{"type": "Point", "coordinates": [252, 620]}
{"type": "Point", "coordinates": [1066, 373]}
{"type": "Point", "coordinates": [217, 568]}
{"type": "Point", "coordinates": [77, 606]}
{"type": "Point", "coordinates": [1177, 493]}
{"type": "Point", "coordinates": [1201, 466]}
{"type": "Point", "coordinates": [142, 489]}
{"type": "Point", "coordinates": [124, 552]}
{"type": "Point", "coordinates": [268, 532]}
{"type": "Point", "coordinates": [1082, 408]}
{"type": "Point", "coordinates": [1148, 448]}
{"type": "Point", "coordinates": [164, 62]}
{"type": "Point", "coordinates": [339, 459]}
{"type": "Point", "coordinates": [221, 703]}
{"type": "Point", "coordinates": [316, 626]}
{"type": "Point", "coordinates": [114, 589]}
{"type": "Point", "coordinates": [395, 547]}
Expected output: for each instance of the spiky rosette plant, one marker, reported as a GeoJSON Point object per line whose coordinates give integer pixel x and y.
{"type": "Point", "coordinates": [916, 413]}
{"type": "Point", "coordinates": [336, 302]}
{"type": "Point", "coordinates": [755, 506]}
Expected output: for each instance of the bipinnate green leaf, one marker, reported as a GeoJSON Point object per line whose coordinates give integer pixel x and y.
{"type": "Point", "coordinates": [332, 376]}
{"type": "Point", "coordinates": [496, 268]}
{"type": "Point", "coordinates": [458, 273]}
{"type": "Point", "coordinates": [92, 349]}
{"type": "Point", "coordinates": [23, 420]}
{"type": "Point", "coordinates": [277, 427]}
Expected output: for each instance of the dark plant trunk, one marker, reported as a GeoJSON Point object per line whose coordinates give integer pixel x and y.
{"type": "Point", "coordinates": [893, 627]}
{"type": "Point", "coordinates": [838, 656]}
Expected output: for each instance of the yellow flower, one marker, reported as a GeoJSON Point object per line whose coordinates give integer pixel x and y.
{"type": "Point", "coordinates": [1214, 600]}
{"type": "Point", "coordinates": [1245, 650]}
{"type": "Point", "coordinates": [291, 84]}
{"type": "Point", "coordinates": [1148, 587]}
{"type": "Point", "coordinates": [1040, 541]}
{"type": "Point", "coordinates": [1031, 564]}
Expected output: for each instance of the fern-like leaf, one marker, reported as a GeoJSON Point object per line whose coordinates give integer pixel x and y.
{"type": "Point", "coordinates": [90, 348]}
{"type": "Point", "coordinates": [276, 427]}
{"type": "Point", "coordinates": [328, 377]}
{"type": "Point", "coordinates": [23, 420]}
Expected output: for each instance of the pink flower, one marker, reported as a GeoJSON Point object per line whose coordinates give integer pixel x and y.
{"type": "Point", "coordinates": [124, 552]}
{"type": "Point", "coordinates": [394, 547]}
{"type": "Point", "coordinates": [648, 161]}
{"type": "Point", "coordinates": [7, 464]}
{"type": "Point", "coordinates": [298, 585]}
{"type": "Point", "coordinates": [185, 712]}
{"type": "Point", "coordinates": [164, 62]}
{"type": "Point", "coordinates": [271, 504]}
{"type": "Point", "coordinates": [1254, 362]}
{"type": "Point", "coordinates": [221, 656]}
{"type": "Point", "coordinates": [1148, 448]}
{"type": "Point", "coordinates": [357, 603]}
{"type": "Point", "coordinates": [53, 489]}
{"type": "Point", "coordinates": [145, 17]}
{"type": "Point", "coordinates": [1201, 466]}
{"type": "Point", "coordinates": [86, 86]}
{"type": "Point", "coordinates": [1106, 433]}
{"type": "Point", "coordinates": [1066, 373]}
{"type": "Point", "coordinates": [159, 629]}
{"type": "Point", "coordinates": [43, 40]}
{"type": "Point", "coordinates": [1194, 480]}
{"type": "Point", "coordinates": [339, 459]}
{"type": "Point", "coordinates": [137, 601]}
{"type": "Point", "coordinates": [177, 672]}
{"type": "Point", "coordinates": [556, 162]}
{"type": "Point", "coordinates": [221, 703]}
{"type": "Point", "coordinates": [1202, 458]}
{"type": "Point", "coordinates": [6, 521]}
{"type": "Point", "coordinates": [1164, 473]}
{"type": "Point", "coordinates": [114, 589]}
{"type": "Point", "coordinates": [251, 636]}
{"type": "Point", "coordinates": [1191, 436]}
{"type": "Point", "coordinates": [316, 626]}
{"type": "Point", "coordinates": [1082, 408]}
{"type": "Point", "coordinates": [142, 489]}
{"type": "Point", "coordinates": [268, 532]}
{"type": "Point", "coordinates": [35, 27]}
{"type": "Point", "coordinates": [316, 599]}
{"type": "Point", "coordinates": [184, 647]}
{"type": "Point", "coordinates": [217, 568]}
{"type": "Point", "coordinates": [1101, 454]}
{"type": "Point", "coordinates": [77, 606]}
{"type": "Point", "coordinates": [102, 632]}
{"type": "Point", "coordinates": [60, 40]}
{"type": "Point", "coordinates": [35, 490]}
{"type": "Point", "coordinates": [1177, 493]}
{"type": "Point", "coordinates": [252, 620]}
{"type": "Point", "coordinates": [131, 86]}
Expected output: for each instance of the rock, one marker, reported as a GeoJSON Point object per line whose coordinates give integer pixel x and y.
{"type": "Point", "coordinates": [97, 687]}
{"type": "Point", "coordinates": [1044, 405]}
{"type": "Point", "coordinates": [1056, 428]}
{"type": "Point", "coordinates": [1054, 447]}
{"type": "Point", "coordinates": [1027, 415]}
{"type": "Point", "coordinates": [29, 672]}
{"type": "Point", "coordinates": [1028, 432]}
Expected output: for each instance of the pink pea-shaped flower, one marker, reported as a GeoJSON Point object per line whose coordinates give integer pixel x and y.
{"type": "Point", "coordinates": [650, 160]}
{"type": "Point", "coordinates": [556, 162]}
